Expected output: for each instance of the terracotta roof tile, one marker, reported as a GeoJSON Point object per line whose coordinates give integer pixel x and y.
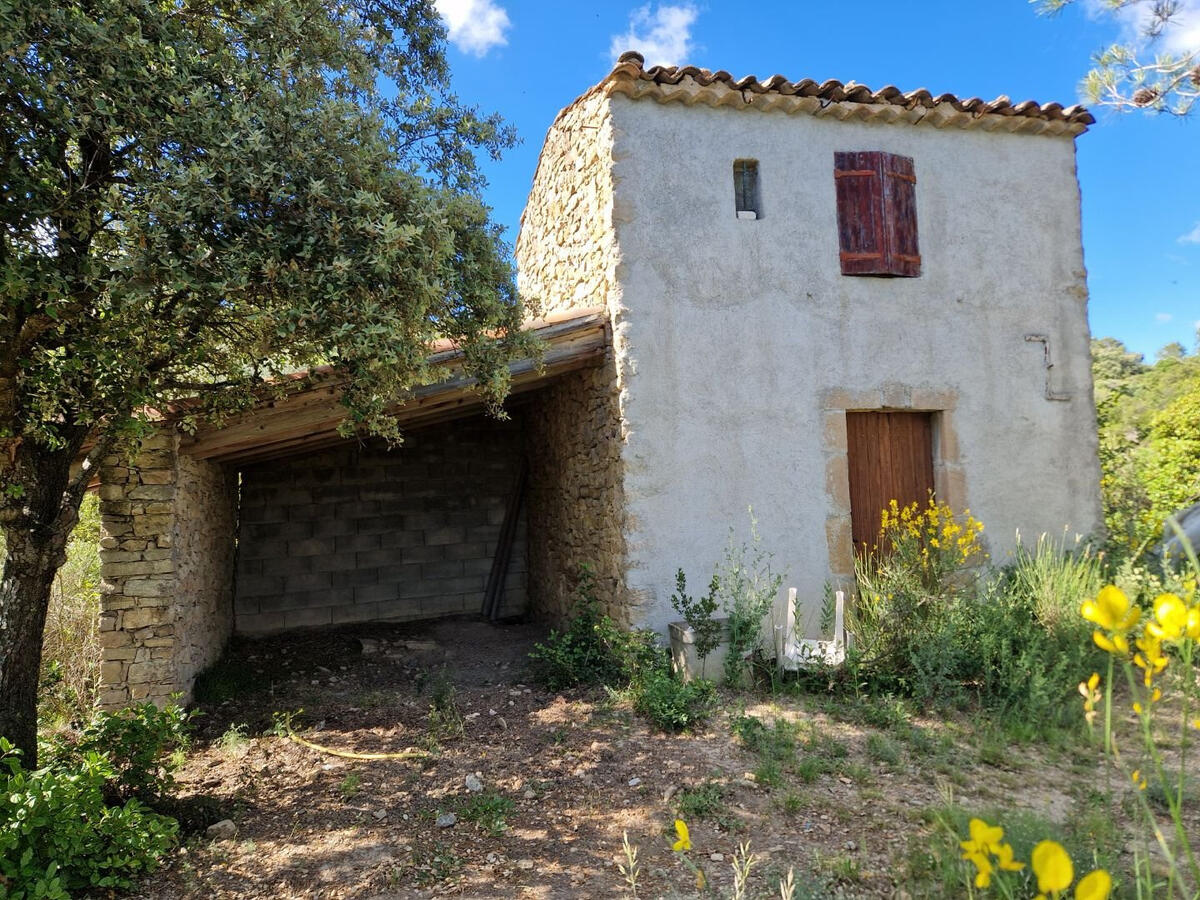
{"type": "Point", "coordinates": [689, 84]}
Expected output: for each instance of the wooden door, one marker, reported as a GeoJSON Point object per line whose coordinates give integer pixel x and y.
{"type": "Point", "coordinates": [891, 458]}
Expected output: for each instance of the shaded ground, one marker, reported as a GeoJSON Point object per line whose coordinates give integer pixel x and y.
{"type": "Point", "coordinates": [846, 794]}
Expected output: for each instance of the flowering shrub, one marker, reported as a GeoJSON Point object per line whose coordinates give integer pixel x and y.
{"type": "Point", "coordinates": [1050, 865]}
{"type": "Point", "coordinates": [930, 623]}
{"type": "Point", "coordinates": [931, 543]}
{"type": "Point", "coordinates": [1144, 649]}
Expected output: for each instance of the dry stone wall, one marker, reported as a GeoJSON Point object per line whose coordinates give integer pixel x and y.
{"type": "Point", "coordinates": [576, 494]}
{"type": "Point", "coordinates": [362, 534]}
{"type": "Point", "coordinates": [565, 245]}
{"type": "Point", "coordinates": [166, 563]}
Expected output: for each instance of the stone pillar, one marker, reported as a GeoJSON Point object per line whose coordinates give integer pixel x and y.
{"type": "Point", "coordinates": [166, 563]}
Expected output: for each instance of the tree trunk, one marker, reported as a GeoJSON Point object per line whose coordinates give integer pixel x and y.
{"type": "Point", "coordinates": [29, 569]}
{"type": "Point", "coordinates": [40, 507]}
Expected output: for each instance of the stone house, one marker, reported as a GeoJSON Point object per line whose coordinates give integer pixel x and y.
{"type": "Point", "coordinates": [798, 297]}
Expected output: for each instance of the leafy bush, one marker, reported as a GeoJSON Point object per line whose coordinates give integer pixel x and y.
{"type": "Point", "coordinates": [674, 705]}
{"type": "Point", "coordinates": [700, 615]}
{"type": "Point", "coordinates": [906, 622]}
{"type": "Point", "coordinates": [137, 743]}
{"type": "Point", "coordinates": [58, 834]}
{"type": "Point", "coordinates": [748, 589]}
{"type": "Point", "coordinates": [743, 588]}
{"type": "Point", "coordinates": [1012, 643]}
{"type": "Point", "coordinates": [1149, 448]}
{"type": "Point", "coordinates": [594, 650]}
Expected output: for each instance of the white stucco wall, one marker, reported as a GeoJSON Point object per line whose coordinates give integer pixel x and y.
{"type": "Point", "coordinates": [729, 332]}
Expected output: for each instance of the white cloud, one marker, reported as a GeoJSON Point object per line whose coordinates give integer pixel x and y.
{"type": "Point", "coordinates": [663, 36]}
{"type": "Point", "coordinates": [1192, 237]}
{"type": "Point", "coordinates": [474, 26]}
{"type": "Point", "coordinates": [1180, 36]}
{"type": "Point", "coordinates": [1163, 317]}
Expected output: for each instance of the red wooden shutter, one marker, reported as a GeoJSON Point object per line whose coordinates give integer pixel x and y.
{"type": "Point", "coordinates": [861, 232]}
{"type": "Point", "coordinates": [900, 204]}
{"type": "Point", "coordinates": [877, 213]}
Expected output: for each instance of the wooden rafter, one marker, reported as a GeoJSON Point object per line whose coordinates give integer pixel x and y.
{"type": "Point", "coordinates": [307, 420]}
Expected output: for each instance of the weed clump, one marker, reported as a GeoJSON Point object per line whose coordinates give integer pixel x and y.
{"type": "Point", "coordinates": [593, 649]}
{"type": "Point", "coordinates": [672, 704]}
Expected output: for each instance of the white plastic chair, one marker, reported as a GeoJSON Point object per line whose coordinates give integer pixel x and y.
{"type": "Point", "coordinates": [805, 653]}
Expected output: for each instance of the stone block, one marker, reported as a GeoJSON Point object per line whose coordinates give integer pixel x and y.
{"type": "Point", "coordinates": [154, 459]}
{"type": "Point", "coordinates": [133, 619]}
{"type": "Point", "coordinates": [141, 567]}
{"type": "Point", "coordinates": [837, 483]}
{"type": "Point", "coordinates": [157, 476]}
{"type": "Point", "coordinates": [398, 574]}
{"type": "Point", "coordinates": [332, 528]}
{"type": "Point", "coordinates": [114, 698]}
{"type": "Point", "coordinates": [112, 672]}
{"type": "Point", "coordinates": [149, 491]}
{"type": "Point", "coordinates": [399, 609]}
{"type": "Point", "coordinates": [109, 491]}
{"type": "Point", "coordinates": [425, 554]}
{"type": "Point", "coordinates": [896, 396]}
{"type": "Point", "coordinates": [161, 586]}
{"type": "Point", "coordinates": [843, 399]}
{"type": "Point", "coordinates": [112, 639]}
{"type": "Point", "coordinates": [119, 556]}
{"type": "Point", "coordinates": [841, 547]}
{"type": "Point", "coordinates": [261, 623]}
{"type": "Point", "coordinates": [152, 525]}
{"type": "Point", "coordinates": [142, 672]}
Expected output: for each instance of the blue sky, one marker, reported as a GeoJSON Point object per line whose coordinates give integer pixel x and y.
{"type": "Point", "coordinates": [1140, 174]}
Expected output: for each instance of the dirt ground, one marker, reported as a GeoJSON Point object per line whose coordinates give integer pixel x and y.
{"type": "Point", "coordinates": [542, 785]}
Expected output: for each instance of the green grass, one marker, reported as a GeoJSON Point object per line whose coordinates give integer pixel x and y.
{"type": "Point", "coordinates": [350, 786]}
{"type": "Point", "coordinates": [883, 749]}
{"type": "Point", "coordinates": [707, 801]}
{"type": "Point", "coordinates": [235, 739]}
{"type": "Point", "coordinates": [489, 810]}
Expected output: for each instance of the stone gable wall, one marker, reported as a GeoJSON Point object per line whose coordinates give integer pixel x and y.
{"type": "Point", "coordinates": [360, 534]}
{"type": "Point", "coordinates": [565, 245]}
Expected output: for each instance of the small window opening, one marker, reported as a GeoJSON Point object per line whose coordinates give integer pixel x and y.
{"type": "Point", "coordinates": [745, 189]}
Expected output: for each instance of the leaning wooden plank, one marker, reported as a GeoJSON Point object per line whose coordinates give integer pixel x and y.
{"type": "Point", "coordinates": [508, 530]}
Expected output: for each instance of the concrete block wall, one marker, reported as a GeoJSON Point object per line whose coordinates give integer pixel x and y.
{"type": "Point", "coordinates": [366, 534]}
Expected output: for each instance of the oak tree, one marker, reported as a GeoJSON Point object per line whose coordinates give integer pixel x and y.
{"type": "Point", "coordinates": [197, 196]}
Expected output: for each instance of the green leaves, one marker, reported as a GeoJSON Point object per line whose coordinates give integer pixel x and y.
{"type": "Point", "coordinates": [201, 197]}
